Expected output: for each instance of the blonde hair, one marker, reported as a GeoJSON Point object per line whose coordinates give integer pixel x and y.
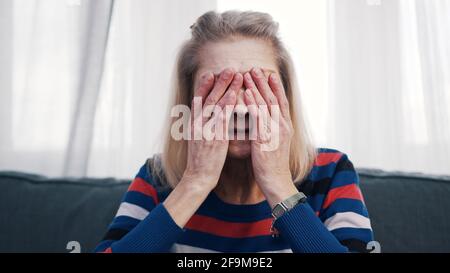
{"type": "Point", "coordinates": [216, 27]}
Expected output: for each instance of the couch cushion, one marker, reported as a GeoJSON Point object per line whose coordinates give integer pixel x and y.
{"type": "Point", "coordinates": [409, 212]}
{"type": "Point", "coordinates": [43, 215]}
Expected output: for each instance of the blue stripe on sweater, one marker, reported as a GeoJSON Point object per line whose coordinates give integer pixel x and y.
{"type": "Point", "coordinates": [124, 222]}
{"type": "Point", "coordinates": [322, 172]}
{"type": "Point", "coordinates": [225, 244]}
{"type": "Point", "coordinates": [344, 178]}
{"type": "Point", "coordinates": [143, 173]}
{"type": "Point", "coordinates": [204, 211]}
{"type": "Point", "coordinates": [316, 201]}
{"type": "Point", "coordinates": [139, 199]}
{"type": "Point", "coordinates": [344, 205]}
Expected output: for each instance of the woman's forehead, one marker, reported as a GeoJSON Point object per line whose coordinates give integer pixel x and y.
{"type": "Point", "coordinates": [266, 71]}
{"type": "Point", "coordinates": [241, 55]}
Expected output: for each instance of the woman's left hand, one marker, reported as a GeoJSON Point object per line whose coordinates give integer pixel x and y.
{"type": "Point", "coordinates": [271, 149]}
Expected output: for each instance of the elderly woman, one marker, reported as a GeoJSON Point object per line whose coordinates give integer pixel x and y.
{"type": "Point", "coordinates": [231, 194]}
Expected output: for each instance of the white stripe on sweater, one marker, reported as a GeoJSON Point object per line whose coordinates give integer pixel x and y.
{"type": "Point", "coordinates": [347, 220]}
{"type": "Point", "coordinates": [180, 248]}
{"type": "Point", "coordinates": [131, 210]}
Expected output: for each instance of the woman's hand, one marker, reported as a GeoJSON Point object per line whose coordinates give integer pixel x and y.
{"type": "Point", "coordinates": [206, 158]}
{"type": "Point", "coordinates": [270, 166]}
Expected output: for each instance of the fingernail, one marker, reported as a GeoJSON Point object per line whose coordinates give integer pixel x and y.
{"type": "Point", "coordinates": [237, 77]}
{"type": "Point", "coordinates": [206, 76]}
{"type": "Point", "coordinates": [247, 76]}
{"type": "Point", "coordinates": [274, 77]}
{"type": "Point", "coordinates": [227, 74]}
{"type": "Point", "coordinates": [257, 71]}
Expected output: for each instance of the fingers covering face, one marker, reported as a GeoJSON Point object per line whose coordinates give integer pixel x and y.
{"type": "Point", "coordinates": [205, 85]}
{"type": "Point", "coordinates": [220, 87]}
{"type": "Point", "coordinates": [279, 92]}
{"type": "Point", "coordinates": [265, 90]}
{"type": "Point", "coordinates": [263, 86]}
{"type": "Point", "coordinates": [234, 87]}
{"type": "Point", "coordinates": [215, 98]}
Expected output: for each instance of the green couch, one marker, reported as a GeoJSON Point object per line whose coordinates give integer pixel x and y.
{"type": "Point", "coordinates": [409, 212]}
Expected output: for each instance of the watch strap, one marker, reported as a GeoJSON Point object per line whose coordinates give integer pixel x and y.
{"type": "Point", "coordinates": [288, 204]}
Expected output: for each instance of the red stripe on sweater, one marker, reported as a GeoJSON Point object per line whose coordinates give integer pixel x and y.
{"type": "Point", "coordinates": [142, 186]}
{"type": "Point", "coordinates": [229, 229]}
{"type": "Point", "coordinates": [351, 191]}
{"type": "Point", "coordinates": [108, 250]}
{"type": "Point", "coordinates": [323, 159]}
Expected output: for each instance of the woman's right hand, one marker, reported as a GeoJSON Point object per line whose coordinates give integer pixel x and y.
{"type": "Point", "coordinates": [205, 158]}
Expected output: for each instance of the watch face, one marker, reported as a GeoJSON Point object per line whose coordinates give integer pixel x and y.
{"type": "Point", "coordinates": [288, 204]}
{"type": "Point", "coordinates": [278, 211]}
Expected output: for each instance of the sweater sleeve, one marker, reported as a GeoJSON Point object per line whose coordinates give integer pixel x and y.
{"type": "Point", "coordinates": [343, 223]}
{"type": "Point", "coordinates": [141, 224]}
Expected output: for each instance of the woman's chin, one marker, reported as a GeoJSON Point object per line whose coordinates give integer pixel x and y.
{"type": "Point", "coordinates": [239, 149]}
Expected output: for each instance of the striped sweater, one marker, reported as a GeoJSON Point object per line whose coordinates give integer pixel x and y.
{"type": "Point", "coordinates": [334, 218]}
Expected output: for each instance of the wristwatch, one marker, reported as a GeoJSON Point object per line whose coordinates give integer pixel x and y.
{"type": "Point", "coordinates": [288, 204]}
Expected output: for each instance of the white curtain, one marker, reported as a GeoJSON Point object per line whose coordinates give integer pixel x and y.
{"type": "Point", "coordinates": [374, 76]}
{"type": "Point", "coordinates": [132, 108]}
{"type": "Point", "coordinates": [390, 83]}
{"type": "Point", "coordinates": [84, 84]}
{"type": "Point", "coordinates": [54, 62]}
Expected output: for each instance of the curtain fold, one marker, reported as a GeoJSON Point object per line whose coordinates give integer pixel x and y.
{"type": "Point", "coordinates": [390, 83]}
{"type": "Point", "coordinates": [93, 47]}
{"type": "Point", "coordinates": [6, 49]}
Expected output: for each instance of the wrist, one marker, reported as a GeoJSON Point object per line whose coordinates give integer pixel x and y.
{"type": "Point", "coordinates": [279, 190]}
{"type": "Point", "coordinates": [184, 200]}
{"type": "Point", "coordinates": [196, 184]}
